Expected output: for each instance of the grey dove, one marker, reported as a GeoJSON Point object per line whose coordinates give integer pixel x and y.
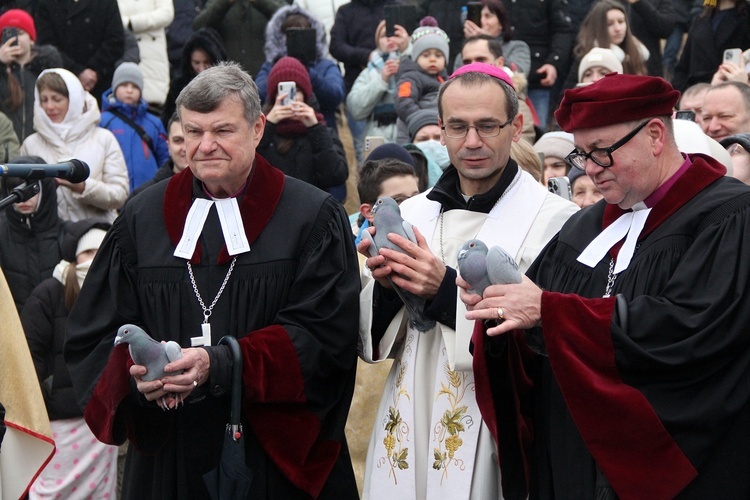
{"type": "Point", "coordinates": [388, 220]}
{"type": "Point", "coordinates": [148, 352]}
{"type": "Point", "coordinates": [482, 267]}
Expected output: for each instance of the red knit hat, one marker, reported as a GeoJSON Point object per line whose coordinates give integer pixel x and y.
{"type": "Point", "coordinates": [616, 99]}
{"type": "Point", "coordinates": [288, 69]}
{"type": "Point", "coordinates": [17, 18]}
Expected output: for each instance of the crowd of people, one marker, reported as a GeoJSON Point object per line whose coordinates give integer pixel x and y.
{"type": "Point", "coordinates": [603, 145]}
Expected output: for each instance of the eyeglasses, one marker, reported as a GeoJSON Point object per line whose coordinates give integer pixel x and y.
{"type": "Point", "coordinates": [601, 156]}
{"type": "Point", "coordinates": [484, 130]}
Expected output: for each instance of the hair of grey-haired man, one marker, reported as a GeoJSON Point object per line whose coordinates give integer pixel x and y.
{"type": "Point", "coordinates": [475, 79]}
{"type": "Point", "coordinates": [742, 88]}
{"type": "Point", "coordinates": [209, 88]}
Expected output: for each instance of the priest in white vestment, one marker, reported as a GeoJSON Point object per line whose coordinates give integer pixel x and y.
{"type": "Point", "coordinates": [429, 440]}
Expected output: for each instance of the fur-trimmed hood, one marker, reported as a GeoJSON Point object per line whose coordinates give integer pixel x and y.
{"type": "Point", "coordinates": [275, 47]}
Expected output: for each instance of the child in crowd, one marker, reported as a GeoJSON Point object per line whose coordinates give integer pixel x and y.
{"type": "Point", "coordinates": [420, 77]}
{"type": "Point", "coordinates": [141, 135]}
{"type": "Point", "coordinates": [388, 171]}
{"type": "Point", "coordinates": [373, 93]}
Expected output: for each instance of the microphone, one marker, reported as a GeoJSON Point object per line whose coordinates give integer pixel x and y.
{"type": "Point", "coordinates": [73, 170]}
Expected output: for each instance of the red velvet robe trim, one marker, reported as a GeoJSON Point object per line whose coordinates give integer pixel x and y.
{"type": "Point", "coordinates": [257, 206]}
{"type": "Point", "coordinates": [523, 386]}
{"type": "Point", "coordinates": [288, 434]}
{"type": "Point", "coordinates": [287, 430]}
{"type": "Point", "coordinates": [112, 388]}
{"type": "Point", "coordinates": [620, 428]}
{"type": "Point", "coordinates": [704, 171]}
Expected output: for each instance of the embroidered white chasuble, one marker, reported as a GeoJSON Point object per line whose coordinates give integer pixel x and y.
{"type": "Point", "coordinates": [429, 440]}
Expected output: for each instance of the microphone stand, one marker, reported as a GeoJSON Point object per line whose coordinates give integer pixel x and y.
{"type": "Point", "coordinates": [21, 193]}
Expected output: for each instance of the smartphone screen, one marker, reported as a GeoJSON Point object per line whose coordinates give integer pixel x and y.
{"type": "Point", "coordinates": [686, 114]}
{"type": "Point", "coordinates": [403, 15]}
{"type": "Point", "coordinates": [300, 44]}
{"type": "Point", "coordinates": [9, 33]}
{"type": "Point", "coordinates": [474, 12]}
{"type": "Point", "coordinates": [289, 88]}
{"type": "Point", "coordinates": [733, 56]}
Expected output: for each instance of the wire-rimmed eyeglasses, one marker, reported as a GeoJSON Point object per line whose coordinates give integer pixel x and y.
{"type": "Point", "coordinates": [484, 130]}
{"type": "Point", "coordinates": [601, 156]}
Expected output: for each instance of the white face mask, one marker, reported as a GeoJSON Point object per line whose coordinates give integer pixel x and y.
{"type": "Point", "coordinates": [436, 152]}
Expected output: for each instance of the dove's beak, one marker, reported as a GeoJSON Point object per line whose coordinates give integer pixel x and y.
{"type": "Point", "coordinates": [118, 339]}
{"type": "Point", "coordinates": [461, 255]}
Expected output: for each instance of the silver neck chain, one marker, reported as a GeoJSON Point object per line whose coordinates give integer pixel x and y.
{"type": "Point", "coordinates": [442, 210]}
{"type": "Point", "coordinates": [208, 310]}
{"type": "Point", "coordinates": [611, 277]}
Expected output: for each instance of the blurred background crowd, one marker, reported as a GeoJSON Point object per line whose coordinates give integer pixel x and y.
{"type": "Point", "coordinates": [350, 94]}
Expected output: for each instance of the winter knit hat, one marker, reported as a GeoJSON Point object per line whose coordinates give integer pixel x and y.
{"type": "Point", "coordinates": [17, 18]}
{"type": "Point", "coordinates": [288, 69]}
{"type": "Point", "coordinates": [92, 240]}
{"type": "Point", "coordinates": [128, 72]}
{"type": "Point", "coordinates": [391, 150]}
{"type": "Point", "coordinates": [421, 118]}
{"type": "Point", "coordinates": [599, 57]}
{"type": "Point", "coordinates": [81, 235]}
{"type": "Point", "coordinates": [555, 145]}
{"type": "Point", "coordinates": [429, 37]}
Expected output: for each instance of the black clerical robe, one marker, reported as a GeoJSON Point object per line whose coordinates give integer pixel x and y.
{"type": "Point", "coordinates": [292, 302]}
{"type": "Point", "coordinates": [652, 384]}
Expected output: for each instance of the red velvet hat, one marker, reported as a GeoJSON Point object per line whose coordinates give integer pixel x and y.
{"type": "Point", "coordinates": [615, 99]}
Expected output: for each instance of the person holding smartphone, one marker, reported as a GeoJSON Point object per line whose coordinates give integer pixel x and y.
{"type": "Point", "coordinates": [21, 61]}
{"type": "Point", "coordinates": [719, 27]}
{"type": "Point", "coordinates": [325, 76]}
{"type": "Point", "coordinates": [374, 91]}
{"type": "Point", "coordinates": [296, 139]}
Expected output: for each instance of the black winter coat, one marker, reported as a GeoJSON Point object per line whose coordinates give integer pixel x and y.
{"type": "Point", "coordinates": [703, 49]}
{"type": "Point", "coordinates": [650, 21]}
{"type": "Point", "coordinates": [44, 318]}
{"type": "Point", "coordinates": [29, 245]}
{"type": "Point", "coordinates": [45, 56]}
{"type": "Point", "coordinates": [546, 27]}
{"type": "Point", "coordinates": [316, 157]}
{"type": "Point", "coordinates": [88, 33]}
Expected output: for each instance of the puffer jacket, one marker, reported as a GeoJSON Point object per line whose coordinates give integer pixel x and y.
{"type": "Point", "coordinates": [29, 244]}
{"type": "Point", "coordinates": [141, 160]}
{"type": "Point", "coordinates": [147, 19]}
{"type": "Point", "coordinates": [106, 188]}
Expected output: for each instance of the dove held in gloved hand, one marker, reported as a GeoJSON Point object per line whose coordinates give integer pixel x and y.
{"type": "Point", "coordinates": [400, 258]}
{"type": "Point", "coordinates": [163, 371]}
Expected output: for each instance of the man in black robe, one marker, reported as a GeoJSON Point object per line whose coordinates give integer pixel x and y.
{"type": "Point", "coordinates": [639, 308]}
{"type": "Point", "coordinates": [271, 263]}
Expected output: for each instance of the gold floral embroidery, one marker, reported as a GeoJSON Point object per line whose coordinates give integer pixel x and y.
{"type": "Point", "coordinates": [453, 422]}
{"type": "Point", "coordinates": [396, 454]}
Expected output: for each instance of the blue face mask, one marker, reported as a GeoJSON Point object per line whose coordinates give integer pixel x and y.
{"type": "Point", "coordinates": [436, 152]}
